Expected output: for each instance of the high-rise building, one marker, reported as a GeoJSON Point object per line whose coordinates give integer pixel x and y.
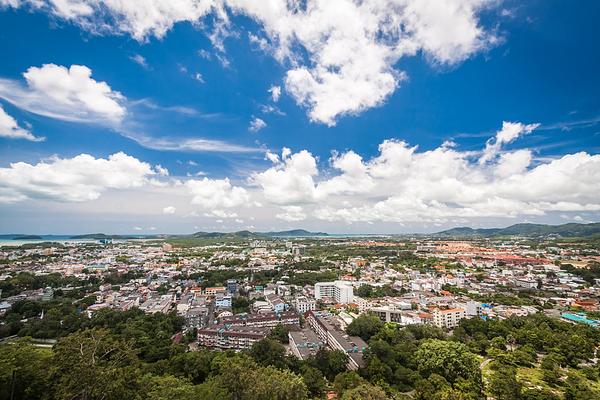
{"type": "Point", "coordinates": [338, 291]}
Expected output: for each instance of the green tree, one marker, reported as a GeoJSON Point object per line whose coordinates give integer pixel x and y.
{"type": "Point", "coordinates": [29, 364]}
{"type": "Point", "coordinates": [550, 367]}
{"type": "Point", "coordinates": [450, 360]}
{"type": "Point", "coordinates": [268, 352]}
{"type": "Point", "coordinates": [578, 389]}
{"type": "Point", "coordinates": [503, 384]}
{"type": "Point", "coordinates": [243, 379]}
{"type": "Point", "coordinates": [365, 326]}
{"type": "Point", "coordinates": [539, 394]}
{"type": "Point", "coordinates": [168, 388]}
{"type": "Point", "coordinates": [314, 381]}
{"type": "Point", "coordinates": [92, 364]}
{"type": "Point", "coordinates": [365, 391]}
{"type": "Point", "coordinates": [329, 362]}
{"type": "Point", "coordinates": [193, 365]}
{"type": "Point", "coordinates": [347, 380]}
{"type": "Point", "coordinates": [280, 333]}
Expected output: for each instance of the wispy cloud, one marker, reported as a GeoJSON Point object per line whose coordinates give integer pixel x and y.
{"type": "Point", "coordinates": [190, 111]}
{"type": "Point", "coordinates": [190, 144]}
{"type": "Point", "coordinates": [573, 124]}
{"type": "Point", "coordinates": [140, 60]}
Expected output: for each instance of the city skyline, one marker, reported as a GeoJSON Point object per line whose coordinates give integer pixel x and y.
{"type": "Point", "coordinates": [155, 117]}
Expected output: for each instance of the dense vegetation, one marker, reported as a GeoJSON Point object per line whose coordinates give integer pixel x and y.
{"type": "Point", "coordinates": [117, 355]}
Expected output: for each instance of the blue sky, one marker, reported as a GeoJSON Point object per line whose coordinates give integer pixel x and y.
{"type": "Point", "coordinates": [182, 94]}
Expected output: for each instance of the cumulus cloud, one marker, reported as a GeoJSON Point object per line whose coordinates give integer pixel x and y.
{"type": "Point", "coordinates": [510, 131]}
{"type": "Point", "coordinates": [222, 214]}
{"type": "Point", "coordinates": [216, 193]}
{"type": "Point", "coordinates": [256, 124]}
{"type": "Point", "coordinates": [290, 180]}
{"type": "Point", "coordinates": [9, 129]}
{"type": "Point", "coordinates": [342, 55]}
{"type": "Point", "coordinates": [402, 184]}
{"type": "Point", "coordinates": [80, 178]}
{"type": "Point", "coordinates": [353, 47]}
{"type": "Point", "coordinates": [275, 92]}
{"type": "Point", "coordinates": [291, 214]}
{"type": "Point", "coordinates": [69, 94]}
{"type": "Point", "coordinates": [169, 210]}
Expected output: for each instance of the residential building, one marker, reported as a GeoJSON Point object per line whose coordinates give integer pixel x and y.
{"type": "Point", "coordinates": [304, 343]}
{"type": "Point", "coordinates": [304, 304]}
{"type": "Point", "coordinates": [448, 319]}
{"type": "Point", "coordinates": [325, 329]}
{"type": "Point", "coordinates": [338, 292]}
{"type": "Point", "coordinates": [231, 337]}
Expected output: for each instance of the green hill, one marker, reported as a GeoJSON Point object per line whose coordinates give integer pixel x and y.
{"type": "Point", "coordinates": [527, 230]}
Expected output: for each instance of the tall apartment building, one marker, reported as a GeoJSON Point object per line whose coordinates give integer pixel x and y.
{"type": "Point", "coordinates": [448, 319]}
{"type": "Point", "coordinates": [338, 291]}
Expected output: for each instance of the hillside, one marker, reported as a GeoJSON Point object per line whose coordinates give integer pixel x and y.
{"type": "Point", "coordinates": [528, 230]}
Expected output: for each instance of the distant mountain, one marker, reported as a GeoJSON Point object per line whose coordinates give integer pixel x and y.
{"type": "Point", "coordinates": [27, 237]}
{"type": "Point", "coordinates": [100, 236]}
{"type": "Point", "coordinates": [527, 230]}
{"type": "Point", "coordinates": [239, 234]}
{"type": "Point", "coordinates": [293, 233]}
{"type": "Point", "coordinates": [19, 236]}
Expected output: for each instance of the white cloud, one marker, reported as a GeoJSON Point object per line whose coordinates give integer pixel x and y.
{"type": "Point", "coordinates": [270, 109]}
{"type": "Point", "coordinates": [275, 92]}
{"type": "Point", "coordinates": [188, 144]}
{"type": "Point", "coordinates": [217, 193]}
{"type": "Point", "coordinates": [9, 129]}
{"type": "Point", "coordinates": [140, 60]}
{"type": "Point", "coordinates": [353, 179]}
{"type": "Point", "coordinates": [578, 218]}
{"type": "Point", "coordinates": [198, 77]}
{"type": "Point", "coordinates": [69, 94]}
{"type": "Point", "coordinates": [291, 214]}
{"type": "Point", "coordinates": [256, 124]}
{"type": "Point", "coordinates": [80, 178]}
{"type": "Point", "coordinates": [222, 214]}
{"type": "Point", "coordinates": [161, 170]}
{"type": "Point", "coordinates": [343, 55]}
{"type": "Point", "coordinates": [402, 184]}
{"type": "Point", "coordinates": [289, 180]}
{"type": "Point", "coordinates": [169, 210]}
{"type": "Point", "coordinates": [510, 132]}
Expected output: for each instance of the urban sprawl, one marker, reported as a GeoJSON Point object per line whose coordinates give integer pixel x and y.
{"type": "Point", "coordinates": [233, 294]}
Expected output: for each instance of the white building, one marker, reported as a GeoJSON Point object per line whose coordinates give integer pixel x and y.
{"type": "Point", "coordinates": [474, 309]}
{"type": "Point", "coordinates": [338, 291]}
{"type": "Point", "coordinates": [304, 304]}
{"type": "Point", "coordinates": [448, 319]}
